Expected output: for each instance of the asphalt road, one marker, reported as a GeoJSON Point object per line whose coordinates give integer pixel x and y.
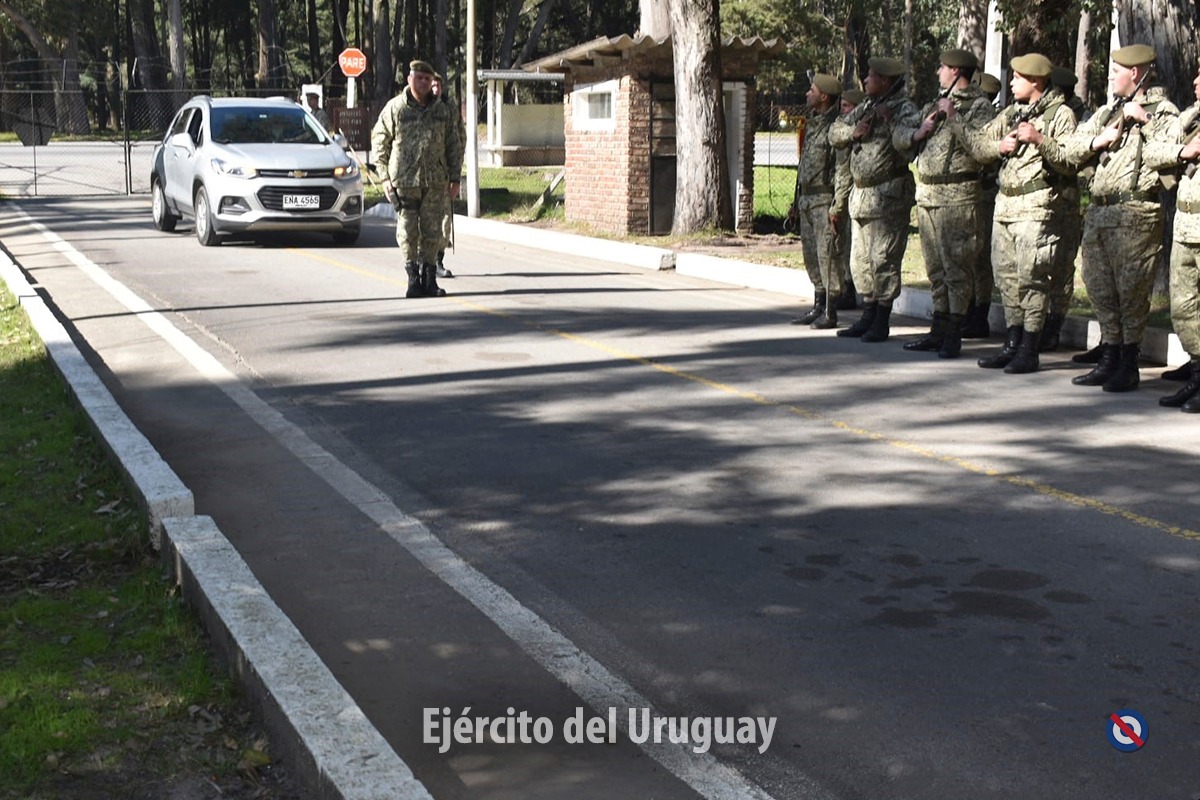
{"type": "Point", "coordinates": [940, 580]}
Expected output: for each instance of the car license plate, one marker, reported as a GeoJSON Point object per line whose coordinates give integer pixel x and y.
{"type": "Point", "coordinates": [301, 202]}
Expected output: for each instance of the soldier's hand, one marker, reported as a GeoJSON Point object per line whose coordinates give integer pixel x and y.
{"type": "Point", "coordinates": [1027, 133]}
{"type": "Point", "coordinates": [1008, 144]}
{"type": "Point", "coordinates": [1191, 150]}
{"type": "Point", "coordinates": [1106, 137]}
{"type": "Point", "coordinates": [886, 112]}
{"type": "Point", "coordinates": [389, 192]}
{"type": "Point", "coordinates": [1135, 112]}
{"type": "Point", "coordinates": [861, 131]}
{"type": "Point", "coordinates": [454, 189]}
{"type": "Point", "coordinates": [946, 107]}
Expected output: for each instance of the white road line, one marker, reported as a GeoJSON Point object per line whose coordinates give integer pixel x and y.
{"type": "Point", "coordinates": [587, 677]}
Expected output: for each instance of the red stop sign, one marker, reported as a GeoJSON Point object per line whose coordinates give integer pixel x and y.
{"type": "Point", "coordinates": [353, 62]}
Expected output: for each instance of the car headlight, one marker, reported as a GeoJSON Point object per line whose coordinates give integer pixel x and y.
{"type": "Point", "coordinates": [222, 167]}
{"type": "Point", "coordinates": [348, 171]}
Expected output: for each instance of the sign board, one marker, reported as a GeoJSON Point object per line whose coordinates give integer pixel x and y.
{"type": "Point", "coordinates": [353, 62]}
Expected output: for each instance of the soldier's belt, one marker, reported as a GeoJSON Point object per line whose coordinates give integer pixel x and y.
{"type": "Point", "coordinates": [815, 188]}
{"type": "Point", "coordinates": [1124, 197]}
{"type": "Point", "coordinates": [1189, 206]}
{"type": "Point", "coordinates": [1035, 185]}
{"type": "Point", "coordinates": [953, 177]}
{"type": "Point", "coordinates": [885, 179]}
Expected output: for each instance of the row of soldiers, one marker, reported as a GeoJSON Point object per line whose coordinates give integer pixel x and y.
{"type": "Point", "coordinates": [997, 201]}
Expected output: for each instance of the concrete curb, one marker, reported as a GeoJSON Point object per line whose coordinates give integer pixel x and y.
{"type": "Point", "coordinates": [342, 754]}
{"type": "Point", "coordinates": [158, 490]}
{"type": "Point", "coordinates": [325, 738]}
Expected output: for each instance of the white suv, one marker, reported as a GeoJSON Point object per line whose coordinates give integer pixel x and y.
{"type": "Point", "coordinates": [243, 165]}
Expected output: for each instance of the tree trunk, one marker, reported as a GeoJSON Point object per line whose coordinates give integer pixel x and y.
{"type": "Point", "coordinates": [536, 33]}
{"type": "Point", "coordinates": [510, 33]}
{"type": "Point", "coordinates": [656, 18]}
{"type": "Point", "coordinates": [856, 50]}
{"type": "Point", "coordinates": [341, 9]}
{"type": "Point", "coordinates": [972, 27]}
{"type": "Point", "coordinates": [1169, 26]}
{"type": "Point", "coordinates": [1083, 54]}
{"type": "Point", "coordinates": [156, 109]}
{"type": "Point", "coordinates": [909, 83]}
{"type": "Point", "coordinates": [383, 53]}
{"type": "Point", "coordinates": [702, 172]}
{"type": "Point", "coordinates": [68, 97]}
{"type": "Point", "coordinates": [270, 72]}
{"type": "Point", "coordinates": [316, 67]}
{"type": "Point", "coordinates": [175, 46]}
{"type": "Point", "coordinates": [441, 58]}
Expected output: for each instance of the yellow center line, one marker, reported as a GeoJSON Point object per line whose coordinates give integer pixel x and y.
{"type": "Point", "coordinates": [1044, 489]}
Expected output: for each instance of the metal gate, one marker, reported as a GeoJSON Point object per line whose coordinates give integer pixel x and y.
{"type": "Point", "coordinates": [662, 156]}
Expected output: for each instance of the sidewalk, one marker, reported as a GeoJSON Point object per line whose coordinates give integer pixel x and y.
{"type": "Point", "coordinates": [333, 748]}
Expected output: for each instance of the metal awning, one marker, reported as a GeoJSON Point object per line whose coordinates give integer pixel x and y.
{"type": "Point", "coordinates": [623, 45]}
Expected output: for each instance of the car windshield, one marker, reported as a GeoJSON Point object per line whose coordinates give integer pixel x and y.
{"type": "Point", "coordinates": [264, 126]}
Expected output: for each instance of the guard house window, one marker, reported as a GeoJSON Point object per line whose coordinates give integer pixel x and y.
{"type": "Point", "coordinates": [593, 105]}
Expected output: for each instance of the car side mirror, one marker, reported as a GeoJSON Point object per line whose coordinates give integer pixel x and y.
{"type": "Point", "coordinates": [341, 141]}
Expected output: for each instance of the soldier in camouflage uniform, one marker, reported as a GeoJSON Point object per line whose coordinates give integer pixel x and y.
{"type": "Point", "coordinates": [978, 325]}
{"type": "Point", "coordinates": [439, 91]}
{"type": "Point", "coordinates": [1166, 153]}
{"type": "Point", "coordinates": [882, 198]}
{"type": "Point", "coordinates": [1030, 207]}
{"type": "Point", "coordinates": [838, 212]}
{"type": "Point", "coordinates": [419, 152]}
{"type": "Point", "coordinates": [815, 176]}
{"type": "Point", "coordinates": [948, 200]}
{"type": "Point", "coordinates": [1123, 230]}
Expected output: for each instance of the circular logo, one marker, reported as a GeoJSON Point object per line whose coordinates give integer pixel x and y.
{"type": "Point", "coordinates": [1126, 730]}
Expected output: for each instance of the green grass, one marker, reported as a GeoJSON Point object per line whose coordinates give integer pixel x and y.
{"type": "Point", "coordinates": [509, 194]}
{"type": "Point", "coordinates": [102, 667]}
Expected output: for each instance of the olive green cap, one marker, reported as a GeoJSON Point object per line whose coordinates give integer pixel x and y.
{"type": "Point", "coordinates": [1134, 55]}
{"type": "Point", "coordinates": [887, 67]}
{"type": "Point", "coordinates": [1063, 78]}
{"type": "Point", "coordinates": [989, 83]}
{"type": "Point", "coordinates": [827, 84]}
{"type": "Point", "coordinates": [960, 59]}
{"type": "Point", "coordinates": [853, 96]}
{"type": "Point", "coordinates": [1032, 65]}
{"type": "Point", "coordinates": [421, 66]}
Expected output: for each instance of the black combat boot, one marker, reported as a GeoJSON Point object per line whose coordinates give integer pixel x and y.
{"type": "Point", "coordinates": [429, 281]}
{"type": "Point", "coordinates": [1189, 390]}
{"type": "Point", "coordinates": [810, 316]}
{"type": "Point", "coordinates": [880, 325]}
{"type": "Point", "coordinates": [442, 272]}
{"type": "Point", "coordinates": [1127, 377]}
{"type": "Point", "coordinates": [1001, 359]}
{"type": "Point", "coordinates": [848, 300]}
{"type": "Point", "coordinates": [933, 339]}
{"type": "Point", "coordinates": [828, 318]}
{"type": "Point", "coordinates": [864, 322]}
{"type": "Point", "coordinates": [952, 341]}
{"type": "Point", "coordinates": [1183, 373]}
{"type": "Point", "coordinates": [977, 326]}
{"type": "Point", "coordinates": [1090, 357]}
{"type": "Point", "coordinates": [415, 287]}
{"type": "Point", "coordinates": [1026, 359]}
{"type": "Point", "coordinates": [1051, 333]}
{"type": "Point", "coordinates": [1192, 406]}
{"type": "Point", "coordinates": [1108, 356]}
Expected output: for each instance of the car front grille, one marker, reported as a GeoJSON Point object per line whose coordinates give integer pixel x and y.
{"type": "Point", "coordinates": [271, 197]}
{"type": "Point", "coordinates": [292, 173]}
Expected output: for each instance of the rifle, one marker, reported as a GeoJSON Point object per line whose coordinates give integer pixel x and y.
{"type": "Point", "coordinates": [1118, 107]}
{"type": "Point", "coordinates": [943, 93]}
{"type": "Point", "coordinates": [1029, 113]}
{"type": "Point", "coordinates": [872, 108]}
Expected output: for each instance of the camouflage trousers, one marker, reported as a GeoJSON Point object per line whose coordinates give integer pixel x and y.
{"type": "Point", "coordinates": [1023, 254]}
{"type": "Point", "coordinates": [949, 239]}
{"type": "Point", "coordinates": [1062, 279]}
{"type": "Point", "coordinates": [820, 242]}
{"type": "Point", "coordinates": [982, 281]}
{"type": "Point", "coordinates": [419, 220]}
{"type": "Point", "coordinates": [876, 249]}
{"type": "Point", "coordinates": [1118, 271]}
{"type": "Point", "coordinates": [1185, 296]}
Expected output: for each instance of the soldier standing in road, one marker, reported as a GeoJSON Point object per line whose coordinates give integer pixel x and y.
{"type": "Point", "coordinates": [948, 200]}
{"type": "Point", "coordinates": [838, 216]}
{"type": "Point", "coordinates": [882, 198]}
{"type": "Point", "coordinates": [419, 153]}
{"type": "Point", "coordinates": [1030, 207]}
{"type": "Point", "coordinates": [815, 177]}
{"type": "Point", "coordinates": [977, 325]}
{"type": "Point", "coordinates": [1123, 230]}
{"type": "Point", "coordinates": [439, 91]}
{"type": "Point", "coordinates": [1179, 146]}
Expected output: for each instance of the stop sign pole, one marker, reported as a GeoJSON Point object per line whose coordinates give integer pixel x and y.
{"type": "Point", "coordinates": [353, 63]}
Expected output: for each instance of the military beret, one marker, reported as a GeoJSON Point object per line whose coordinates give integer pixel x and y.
{"type": "Point", "coordinates": [989, 83]}
{"type": "Point", "coordinates": [1134, 55]}
{"type": "Point", "coordinates": [887, 67]}
{"type": "Point", "coordinates": [962, 59]}
{"type": "Point", "coordinates": [827, 84]}
{"type": "Point", "coordinates": [1063, 77]}
{"type": "Point", "coordinates": [421, 66]}
{"type": "Point", "coordinates": [1032, 65]}
{"type": "Point", "coordinates": [853, 96]}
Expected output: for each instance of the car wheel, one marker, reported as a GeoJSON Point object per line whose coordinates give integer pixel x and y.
{"type": "Point", "coordinates": [205, 230]}
{"type": "Point", "coordinates": [348, 236]}
{"type": "Point", "coordinates": [164, 220]}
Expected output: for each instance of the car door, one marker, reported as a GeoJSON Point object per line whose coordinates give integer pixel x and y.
{"type": "Point", "coordinates": [180, 160]}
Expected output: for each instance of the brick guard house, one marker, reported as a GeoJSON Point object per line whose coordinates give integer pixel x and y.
{"type": "Point", "coordinates": [619, 117]}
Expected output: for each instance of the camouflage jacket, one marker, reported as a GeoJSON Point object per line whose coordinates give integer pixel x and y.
{"type": "Point", "coordinates": [1124, 173]}
{"type": "Point", "coordinates": [1163, 153]}
{"type": "Point", "coordinates": [948, 175]}
{"type": "Point", "coordinates": [1036, 183]}
{"type": "Point", "coordinates": [883, 183]}
{"type": "Point", "coordinates": [417, 146]}
{"type": "Point", "coordinates": [817, 170]}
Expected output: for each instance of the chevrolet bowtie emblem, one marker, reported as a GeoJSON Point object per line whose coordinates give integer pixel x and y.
{"type": "Point", "coordinates": [299, 173]}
